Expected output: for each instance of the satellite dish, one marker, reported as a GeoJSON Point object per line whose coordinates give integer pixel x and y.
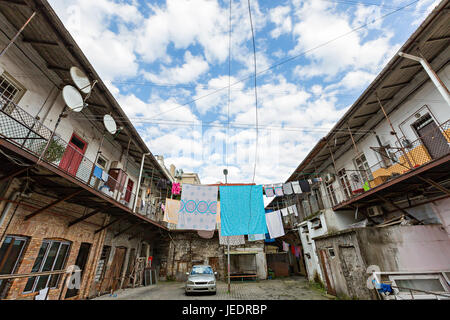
{"type": "Point", "coordinates": [81, 80]}
{"type": "Point", "coordinates": [109, 123]}
{"type": "Point", "coordinates": [73, 99]}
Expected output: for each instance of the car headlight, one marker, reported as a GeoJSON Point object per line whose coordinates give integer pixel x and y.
{"type": "Point", "coordinates": [211, 282]}
{"type": "Point", "coordinates": [190, 282]}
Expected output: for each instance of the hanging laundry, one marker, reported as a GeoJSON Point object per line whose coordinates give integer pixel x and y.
{"type": "Point", "coordinates": [366, 186]}
{"type": "Point", "coordinates": [290, 210]}
{"type": "Point", "coordinates": [316, 180]}
{"type": "Point", "coordinates": [274, 224]}
{"type": "Point", "coordinates": [296, 187]}
{"type": "Point", "coordinates": [284, 212]}
{"type": "Point", "coordinates": [231, 240]}
{"type": "Point", "coordinates": [305, 186]}
{"type": "Point", "coordinates": [309, 181]}
{"type": "Point", "coordinates": [278, 189]}
{"type": "Point", "coordinates": [256, 237]}
{"type": "Point", "coordinates": [293, 250]}
{"type": "Point", "coordinates": [269, 191]}
{"type": "Point", "coordinates": [105, 176]}
{"type": "Point", "coordinates": [294, 210]}
{"type": "Point", "coordinates": [242, 210]}
{"type": "Point", "coordinates": [171, 212]}
{"type": "Point", "coordinates": [297, 251]}
{"type": "Point", "coordinates": [268, 239]}
{"type": "Point", "coordinates": [218, 214]}
{"type": "Point", "coordinates": [287, 188]}
{"type": "Point", "coordinates": [198, 207]}
{"type": "Point", "coordinates": [205, 234]}
{"type": "Point", "coordinates": [285, 246]}
{"type": "Point", "coordinates": [98, 172]}
{"type": "Point", "coordinates": [176, 188]}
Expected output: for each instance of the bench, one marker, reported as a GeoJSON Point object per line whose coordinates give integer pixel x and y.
{"type": "Point", "coordinates": [245, 276]}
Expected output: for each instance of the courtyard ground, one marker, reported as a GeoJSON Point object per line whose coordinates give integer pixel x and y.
{"type": "Point", "coordinates": [293, 288]}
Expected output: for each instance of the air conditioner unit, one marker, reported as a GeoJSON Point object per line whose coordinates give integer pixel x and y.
{"type": "Point", "coordinates": [329, 178]}
{"type": "Point", "coordinates": [374, 211]}
{"type": "Point", "coordinates": [316, 224]}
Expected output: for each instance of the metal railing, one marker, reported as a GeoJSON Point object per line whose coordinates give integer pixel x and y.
{"type": "Point", "coordinates": [20, 128]}
{"type": "Point", "coordinates": [423, 150]}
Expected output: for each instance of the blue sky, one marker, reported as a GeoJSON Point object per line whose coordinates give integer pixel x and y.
{"type": "Point", "coordinates": [164, 60]}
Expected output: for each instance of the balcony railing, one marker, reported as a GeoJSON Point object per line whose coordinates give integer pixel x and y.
{"type": "Point", "coordinates": [433, 145]}
{"type": "Point", "coordinates": [20, 128]}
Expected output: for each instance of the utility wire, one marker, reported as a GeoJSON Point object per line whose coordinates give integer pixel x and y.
{"type": "Point", "coordinates": [229, 90]}
{"type": "Point", "coordinates": [293, 57]}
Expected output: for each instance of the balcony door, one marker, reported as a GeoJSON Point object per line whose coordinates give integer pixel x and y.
{"type": "Point", "coordinates": [73, 155]}
{"type": "Point", "coordinates": [431, 137]}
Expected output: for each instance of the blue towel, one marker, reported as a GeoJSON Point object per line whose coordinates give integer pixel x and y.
{"type": "Point", "coordinates": [242, 210]}
{"type": "Point", "coordinates": [98, 172]}
{"type": "Point", "coordinates": [269, 239]}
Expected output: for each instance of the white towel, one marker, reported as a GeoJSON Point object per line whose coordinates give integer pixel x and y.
{"type": "Point", "coordinates": [284, 212]}
{"type": "Point", "coordinates": [290, 210]}
{"type": "Point", "coordinates": [274, 224]}
{"type": "Point", "coordinates": [296, 187]}
{"type": "Point", "coordinates": [104, 176]}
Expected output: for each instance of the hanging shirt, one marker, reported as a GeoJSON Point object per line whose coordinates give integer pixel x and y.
{"type": "Point", "coordinates": [176, 189]}
{"type": "Point", "coordinates": [305, 186]}
{"type": "Point", "coordinates": [269, 191]}
{"type": "Point", "coordinates": [296, 187]}
{"type": "Point", "coordinates": [278, 189]}
{"type": "Point", "coordinates": [287, 188]}
{"type": "Point", "coordinates": [284, 212]}
{"type": "Point", "coordinates": [285, 246]}
{"type": "Point", "coordinates": [274, 224]}
{"type": "Point", "coordinates": [98, 172]}
{"type": "Point", "coordinates": [294, 210]}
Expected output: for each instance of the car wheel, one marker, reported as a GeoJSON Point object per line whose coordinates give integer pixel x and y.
{"type": "Point", "coordinates": [187, 293]}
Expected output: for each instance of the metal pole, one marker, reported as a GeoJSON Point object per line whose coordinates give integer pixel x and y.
{"type": "Point", "coordinates": [139, 182]}
{"type": "Point", "coordinates": [433, 76]}
{"type": "Point", "coordinates": [17, 34]}
{"type": "Point", "coordinates": [228, 242]}
{"type": "Point", "coordinates": [393, 130]}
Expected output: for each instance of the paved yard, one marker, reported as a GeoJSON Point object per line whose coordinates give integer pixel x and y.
{"type": "Point", "coordinates": [294, 288]}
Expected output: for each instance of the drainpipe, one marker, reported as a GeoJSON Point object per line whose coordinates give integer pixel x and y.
{"type": "Point", "coordinates": [434, 77]}
{"type": "Point", "coordinates": [139, 182]}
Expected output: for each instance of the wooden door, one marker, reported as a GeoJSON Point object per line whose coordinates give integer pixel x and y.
{"type": "Point", "coordinates": [129, 190]}
{"type": "Point", "coordinates": [73, 155]}
{"type": "Point", "coordinates": [115, 270]}
{"type": "Point", "coordinates": [352, 268]}
{"type": "Point", "coordinates": [433, 139]}
{"type": "Point", "coordinates": [327, 272]}
{"type": "Point", "coordinates": [82, 258]}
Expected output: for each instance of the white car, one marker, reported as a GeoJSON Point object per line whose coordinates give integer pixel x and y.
{"type": "Point", "coordinates": [202, 278]}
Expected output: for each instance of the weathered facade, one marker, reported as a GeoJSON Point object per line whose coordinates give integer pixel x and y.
{"type": "Point", "coordinates": [69, 189]}
{"type": "Point", "coordinates": [386, 162]}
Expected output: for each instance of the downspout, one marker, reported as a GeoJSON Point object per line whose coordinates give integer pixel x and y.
{"type": "Point", "coordinates": [433, 76]}
{"type": "Point", "coordinates": [139, 181]}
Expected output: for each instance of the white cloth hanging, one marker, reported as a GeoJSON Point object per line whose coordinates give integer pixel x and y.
{"type": "Point", "coordinates": [274, 224]}
{"type": "Point", "coordinates": [296, 187]}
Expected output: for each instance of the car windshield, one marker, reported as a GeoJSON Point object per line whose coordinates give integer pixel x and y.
{"type": "Point", "coordinates": [202, 270]}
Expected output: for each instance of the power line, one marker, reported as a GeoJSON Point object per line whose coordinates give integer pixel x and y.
{"type": "Point", "coordinates": [293, 57]}
{"type": "Point", "coordinates": [229, 90]}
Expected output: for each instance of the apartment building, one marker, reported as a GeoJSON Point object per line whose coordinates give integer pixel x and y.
{"type": "Point", "coordinates": [383, 194]}
{"type": "Point", "coordinates": [69, 196]}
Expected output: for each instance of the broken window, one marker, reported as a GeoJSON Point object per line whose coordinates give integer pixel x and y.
{"type": "Point", "coordinates": [52, 256]}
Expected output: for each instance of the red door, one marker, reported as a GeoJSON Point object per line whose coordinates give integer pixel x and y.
{"type": "Point", "coordinates": [129, 190]}
{"type": "Point", "coordinates": [73, 155]}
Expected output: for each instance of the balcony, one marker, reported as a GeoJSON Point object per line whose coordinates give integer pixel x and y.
{"type": "Point", "coordinates": [415, 157]}
{"type": "Point", "coordinates": [24, 131]}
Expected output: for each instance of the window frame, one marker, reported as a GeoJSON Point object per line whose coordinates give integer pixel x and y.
{"type": "Point", "coordinates": [367, 176]}
{"type": "Point", "coordinates": [44, 259]}
{"type": "Point", "coordinates": [15, 84]}
{"type": "Point", "coordinates": [418, 295]}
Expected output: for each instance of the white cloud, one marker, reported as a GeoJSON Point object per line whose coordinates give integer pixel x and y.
{"type": "Point", "coordinates": [193, 67]}
{"type": "Point", "coordinates": [280, 16]}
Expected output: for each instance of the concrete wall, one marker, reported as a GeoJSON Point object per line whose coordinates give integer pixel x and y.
{"type": "Point", "coordinates": [419, 248]}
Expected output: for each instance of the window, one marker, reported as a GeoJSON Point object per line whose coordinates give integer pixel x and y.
{"type": "Point", "coordinates": [331, 252]}
{"type": "Point", "coordinates": [424, 282]}
{"type": "Point", "coordinates": [331, 194]}
{"type": "Point", "coordinates": [10, 255]}
{"type": "Point", "coordinates": [345, 183]}
{"type": "Point", "coordinates": [101, 267]}
{"type": "Point", "coordinates": [102, 162]}
{"type": "Point", "coordinates": [52, 256]}
{"type": "Point", "coordinates": [9, 88]}
{"type": "Point", "coordinates": [363, 168]}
